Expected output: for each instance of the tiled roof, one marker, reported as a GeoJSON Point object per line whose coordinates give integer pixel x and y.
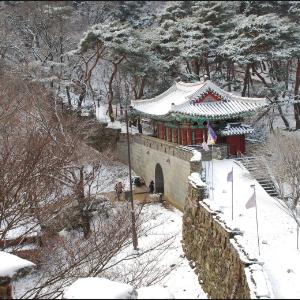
{"type": "Point", "coordinates": [217, 109]}
{"type": "Point", "coordinates": [236, 129]}
{"type": "Point", "coordinates": [181, 98]}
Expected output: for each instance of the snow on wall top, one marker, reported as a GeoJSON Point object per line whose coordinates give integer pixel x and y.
{"type": "Point", "coordinates": [181, 96]}
{"type": "Point", "coordinates": [10, 264]}
{"type": "Point", "coordinates": [196, 156]}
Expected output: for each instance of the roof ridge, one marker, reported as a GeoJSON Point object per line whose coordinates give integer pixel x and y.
{"type": "Point", "coordinates": [189, 83]}
{"type": "Point", "coordinates": [225, 94]}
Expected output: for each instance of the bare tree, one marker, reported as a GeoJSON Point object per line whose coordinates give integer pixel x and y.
{"type": "Point", "coordinates": [106, 252]}
{"type": "Point", "coordinates": [40, 150]}
{"type": "Point", "coordinates": [284, 163]}
{"type": "Point", "coordinates": [47, 175]}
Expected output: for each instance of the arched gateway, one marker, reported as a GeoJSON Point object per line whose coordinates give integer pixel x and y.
{"type": "Point", "coordinates": [159, 179]}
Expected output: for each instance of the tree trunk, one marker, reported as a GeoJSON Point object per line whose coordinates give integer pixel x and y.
{"type": "Point", "coordinates": [195, 66]}
{"type": "Point", "coordinates": [188, 67]}
{"type": "Point", "coordinates": [232, 71]}
{"type": "Point", "coordinates": [296, 93]}
{"type": "Point", "coordinates": [246, 80]}
{"type": "Point", "coordinates": [206, 65]}
{"type": "Point", "coordinates": [285, 121]}
{"type": "Point", "coordinates": [134, 88]}
{"type": "Point", "coordinates": [111, 92]}
{"type": "Point", "coordinates": [68, 95]}
{"type": "Point", "coordinates": [81, 96]}
{"type": "Point", "coordinates": [142, 87]}
{"type": "Point", "coordinates": [110, 88]}
{"type": "Point", "coordinates": [229, 76]}
{"type": "Point", "coordinates": [81, 202]}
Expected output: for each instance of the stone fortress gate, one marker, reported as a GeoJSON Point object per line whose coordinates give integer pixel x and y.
{"type": "Point", "coordinates": [167, 164]}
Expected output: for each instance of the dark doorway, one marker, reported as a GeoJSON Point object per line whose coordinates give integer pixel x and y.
{"type": "Point", "coordinates": [159, 179]}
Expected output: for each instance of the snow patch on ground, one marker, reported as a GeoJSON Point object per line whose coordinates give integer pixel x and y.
{"type": "Point", "coordinates": [99, 288]}
{"type": "Point", "coordinates": [154, 292]}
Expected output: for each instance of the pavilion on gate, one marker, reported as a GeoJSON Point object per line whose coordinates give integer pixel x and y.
{"type": "Point", "coordinates": [181, 114]}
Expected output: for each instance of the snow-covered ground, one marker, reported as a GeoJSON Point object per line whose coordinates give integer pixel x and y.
{"type": "Point", "coordinates": [277, 230]}
{"type": "Point", "coordinates": [181, 280]}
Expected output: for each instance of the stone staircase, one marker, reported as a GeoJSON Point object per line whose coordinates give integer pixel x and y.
{"type": "Point", "coordinates": [258, 169]}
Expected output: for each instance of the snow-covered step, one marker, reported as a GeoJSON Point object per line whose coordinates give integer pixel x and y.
{"type": "Point", "coordinates": [259, 171]}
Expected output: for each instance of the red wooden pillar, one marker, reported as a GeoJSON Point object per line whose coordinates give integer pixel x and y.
{"type": "Point", "coordinates": [179, 136]}
{"type": "Point", "coordinates": [184, 136]}
{"type": "Point", "coordinates": [163, 131]}
{"type": "Point", "coordinates": [159, 130]}
{"type": "Point", "coordinates": [169, 134]}
{"type": "Point", "coordinates": [198, 136]}
{"type": "Point", "coordinates": [189, 136]}
{"type": "Point", "coordinates": [174, 135]}
{"type": "Point", "coordinates": [242, 144]}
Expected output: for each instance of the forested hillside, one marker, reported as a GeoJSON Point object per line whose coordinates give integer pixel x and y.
{"type": "Point", "coordinates": [104, 52]}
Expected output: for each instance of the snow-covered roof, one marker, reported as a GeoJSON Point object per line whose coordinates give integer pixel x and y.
{"type": "Point", "coordinates": [161, 104]}
{"type": "Point", "coordinates": [183, 98]}
{"type": "Point", "coordinates": [236, 129]}
{"type": "Point", "coordinates": [11, 264]}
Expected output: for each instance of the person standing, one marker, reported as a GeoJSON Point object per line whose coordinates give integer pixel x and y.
{"type": "Point", "coordinates": [151, 187]}
{"type": "Point", "coordinates": [119, 189]}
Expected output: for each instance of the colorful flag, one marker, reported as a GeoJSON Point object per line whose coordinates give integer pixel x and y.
{"type": "Point", "coordinates": [230, 176]}
{"type": "Point", "coordinates": [252, 201]}
{"type": "Point", "coordinates": [205, 147]}
{"type": "Point", "coordinates": [211, 136]}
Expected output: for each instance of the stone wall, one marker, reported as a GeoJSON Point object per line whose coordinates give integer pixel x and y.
{"type": "Point", "coordinates": [219, 152]}
{"type": "Point", "coordinates": [103, 138]}
{"type": "Point", "coordinates": [147, 151]}
{"type": "Point", "coordinates": [222, 266]}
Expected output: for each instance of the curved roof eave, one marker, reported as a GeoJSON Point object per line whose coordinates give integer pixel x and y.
{"type": "Point", "coordinates": [178, 115]}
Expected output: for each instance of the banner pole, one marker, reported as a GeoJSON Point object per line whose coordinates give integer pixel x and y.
{"type": "Point", "coordinates": [232, 195]}
{"type": "Point", "coordinates": [256, 220]}
{"type": "Point", "coordinates": [297, 237]}
{"type": "Point", "coordinates": [212, 171]}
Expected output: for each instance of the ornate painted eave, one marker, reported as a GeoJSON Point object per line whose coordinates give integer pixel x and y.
{"type": "Point", "coordinates": [218, 110]}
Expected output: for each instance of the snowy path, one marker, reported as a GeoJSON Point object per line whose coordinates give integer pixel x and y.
{"type": "Point", "coordinates": [182, 282]}
{"type": "Point", "coordinates": [277, 231]}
